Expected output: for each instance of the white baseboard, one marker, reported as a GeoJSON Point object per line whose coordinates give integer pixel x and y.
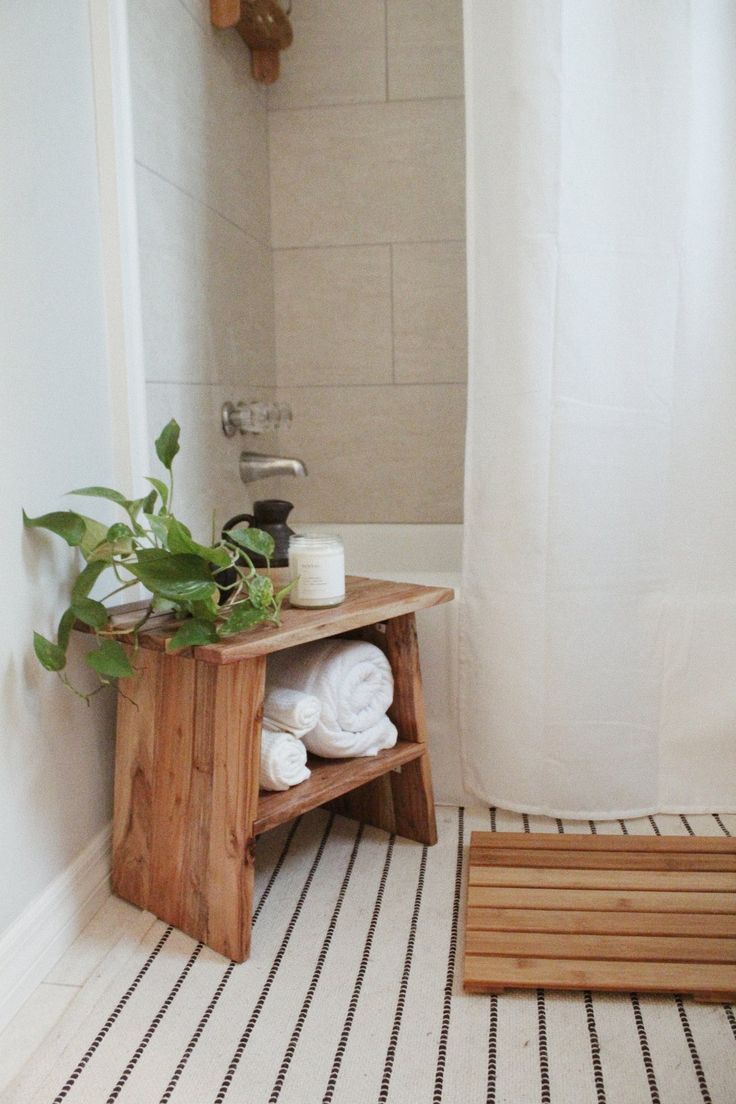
{"type": "Point", "coordinates": [35, 942]}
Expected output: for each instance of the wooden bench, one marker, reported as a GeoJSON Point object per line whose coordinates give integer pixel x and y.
{"type": "Point", "coordinates": [187, 802]}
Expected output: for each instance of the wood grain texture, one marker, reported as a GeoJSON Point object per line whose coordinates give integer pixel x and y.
{"type": "Point", "coordinates": [643, 977]}
{"type": "Point", "coordinates": [133, 791]}
{"type": "Point", "coordinates": [224, 13]}
{"type": "Point", "coordinates": [193, 745]}
{"type": "Point", "coordinates": [603, 860]}
{"type": "Point", "coordinates": [632, 948]}
{"type": "Point", "coordinates": [655, 918]}
{"type": "Point", "coordinates": [403, 803]}
{"type": "Point", "coordinates": [330, 779]}
{"type": "Point", "coordinates": [367, 601]}
{"type": "Point", "coordinates": [635, 901]}
{"type": "Point", "coordinates": [544, 878]}
{"type": "Point", "coordinates": [601, 922]}
{"type": "Point", "coordinates": [548, 841]}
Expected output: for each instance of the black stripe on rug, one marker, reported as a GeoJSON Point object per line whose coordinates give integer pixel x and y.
{"type": "Point", "coordinates": [654, 825]}
{"type": "Point", "coordinates": [645, 1052]}
{"type": "Point", "coordinates": [595, 1046]}
{"type": "Point", "coordinates": [94, 1045]}
{"type": "Point", "coordinates": [358, 985]}
{"type": "Point", "coordinates": [543, 1056]}
{"type": "Point", "coordinates": [492, 1021]}
{"type": "Point", "coordinates": [439, 1075]}
{"type": "Point", "coordinates": [624, 829]}
{"type": "Point", "coordinates": [697, 1064]}
{"type": "Point", "coordinates": [312, 988]}
{"type": "Point", "coordinates": [401, 1001]}
{"type": "Point", "coordinates": [207, 1014]}
{"type": "Point", "coordinates": [154, 1025]}
{"type": "Point", "coordinates": [685, 821]}
{"type": "Point", "coordinates": [721, 825]}
{"type": "Point", "coordinates": [245, 1037]}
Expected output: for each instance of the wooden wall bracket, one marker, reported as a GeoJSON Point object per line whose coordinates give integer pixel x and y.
{"type": "Point", "coordinates": [264, 27]}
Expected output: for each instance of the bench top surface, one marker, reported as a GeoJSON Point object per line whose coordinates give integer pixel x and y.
{"type": "Point", "coordinates": [367, 601]}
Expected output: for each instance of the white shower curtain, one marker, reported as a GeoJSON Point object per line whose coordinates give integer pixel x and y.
{"type": "Point", "coordinates": [599, 593]}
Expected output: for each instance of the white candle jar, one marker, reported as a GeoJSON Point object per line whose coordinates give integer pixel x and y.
{"type": "Point", "coordinates": [317, 562]}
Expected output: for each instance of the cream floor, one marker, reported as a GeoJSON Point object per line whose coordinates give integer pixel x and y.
{"type": "Point", "coordinates": [91, 960]}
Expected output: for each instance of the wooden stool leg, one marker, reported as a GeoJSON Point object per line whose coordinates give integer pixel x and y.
{"type": "Point", "coordinates": [400, 802]}
{"type": "Point", "coordinates": [186, 795]}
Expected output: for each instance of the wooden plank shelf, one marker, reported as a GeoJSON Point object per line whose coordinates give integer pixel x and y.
{"type": "Point", "coordinates": [367, 601]}
{"type": "Point", "coordinates": [647, 913]}
{"type": "Point", "coordinates": [331, 778]}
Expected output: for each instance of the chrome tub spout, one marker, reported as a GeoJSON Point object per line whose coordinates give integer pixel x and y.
{"type": "Point", "coordinates": [255, 465]}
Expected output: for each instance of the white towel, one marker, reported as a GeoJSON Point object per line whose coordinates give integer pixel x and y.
{"type": "Point", "coordinates": [283, 760]}
{"type": "Point", "coordinates": [353, 681]}
{"type": "Point", "coordinates": [290, 711]}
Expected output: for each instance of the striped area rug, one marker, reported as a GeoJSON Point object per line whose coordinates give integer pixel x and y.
{"type": "Point", "coordinates": [353, 996]}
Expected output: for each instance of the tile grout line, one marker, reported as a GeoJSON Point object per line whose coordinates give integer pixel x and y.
{"type": "Point", "coordinates": [457, 97]}
{"type": "Point", "coordinates": [368, 244]}
{"type": "Point", "coordinates": [386, 89]}
{"type": "Point", "coordinates": [391, 289]}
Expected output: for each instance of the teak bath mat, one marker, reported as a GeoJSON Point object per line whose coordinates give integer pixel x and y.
{"type": "Point", "coordinates": [655, 914]}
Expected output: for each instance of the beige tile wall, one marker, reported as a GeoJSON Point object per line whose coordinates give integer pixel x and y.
{"type": "Point", "coordinates": [201, 145]}
{"type": "Point", "coordinates": [311, 236]}
{"type": "Point", "coordinates": [367, 211]}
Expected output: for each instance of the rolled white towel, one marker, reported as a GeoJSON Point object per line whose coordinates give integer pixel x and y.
{"type": "Point", "coordinates": [287, 710]}
{"type": "Point", "coordinates": [353, 681]}
{"type": "Point", "coordinates": [283, 760]}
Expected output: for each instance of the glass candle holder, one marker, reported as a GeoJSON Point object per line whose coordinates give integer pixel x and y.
{"type": "Point", "coordinates": [317, 562]}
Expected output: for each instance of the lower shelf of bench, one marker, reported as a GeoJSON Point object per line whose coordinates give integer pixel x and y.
{"type": "Point", "coordinates": [331, 778]}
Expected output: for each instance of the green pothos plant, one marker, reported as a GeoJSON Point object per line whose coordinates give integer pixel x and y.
{"type": "Point", "coordinates": [213, 590]}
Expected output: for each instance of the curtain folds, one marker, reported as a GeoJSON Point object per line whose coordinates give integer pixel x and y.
{"type": "Point", "coordinates": [598, 660]}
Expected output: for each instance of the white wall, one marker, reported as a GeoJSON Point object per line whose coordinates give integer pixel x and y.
{"type": "Point", "coordinates": [55, 752]}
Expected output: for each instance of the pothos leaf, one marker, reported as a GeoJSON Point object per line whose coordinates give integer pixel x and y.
{"type": "Point", "coordinates": [51, 656]}
{"type": "Point", "coordinates": [243, 616]}
{"type": "Point", "coordinates": [253, 540]}
{"type": "Point", "coordinates": [102, 492]}
{"type": "Point", "coordinates": [190, 633]}
{"type": "Point", "coordinates": [260, 591]}
{"type": "Point", "coordinates": [162, 489]}
{"type": "Point", "coordinates": [66, 624]}
{"type": "Point", "coordinates": [167, 444]}
{"type": "Point", "coordinates": [64, 523]}
{"type": "Point", "coordinates": [90, 612]}
{"type": "Point", "coordinates": [94, 535]}
{"type": "Point", "coordinates": [159, 527]}
{"type": "Point", "coordinates": [179, 577]}
{"type": "Point", "coordinates": [180, 541]}
{"type": "Point", "coordinates": [110, 660]}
